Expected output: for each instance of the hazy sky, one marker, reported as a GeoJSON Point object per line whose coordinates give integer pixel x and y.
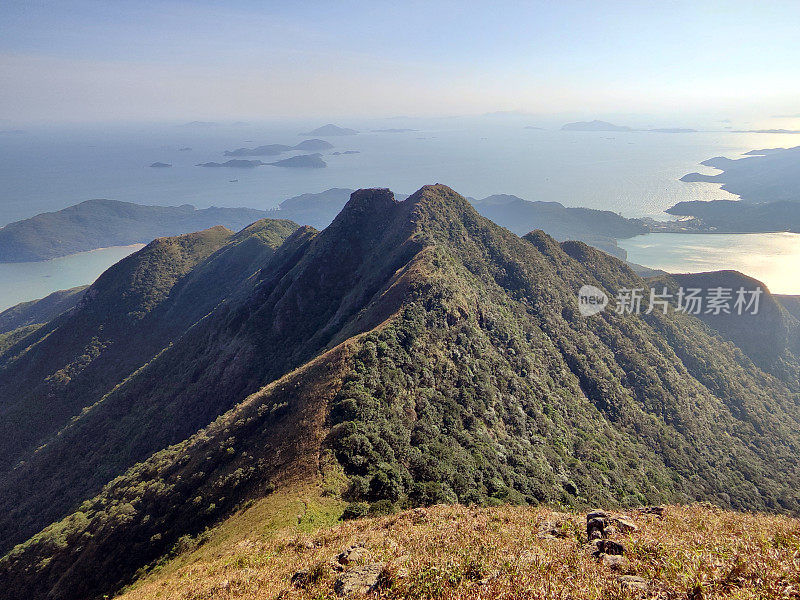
{"type": "Point", "coordinates": [100, 60]}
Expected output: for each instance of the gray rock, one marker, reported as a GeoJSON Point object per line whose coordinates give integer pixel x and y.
{"type": "Point", "coordinates": [609, 547]}
{"type": "Point", "coordinates": [633, 582]}
{"type": "Point", "coordinates": [352, 555]}
{"type": "Point", "coordinates": [653, 510]}
{"type": "Point", "coordinates": [615, 562]}
{"type": "Point", "coordinates": [624, 524]}
{"type": "Point", "coordinates": [596, 514]}
{"type": "Point", "coordinates": [358, 580]}
{"type": "Point", "coordinates": [595, 528]}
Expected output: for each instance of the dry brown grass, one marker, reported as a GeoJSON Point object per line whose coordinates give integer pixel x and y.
{"type": "Point", "coordinates": [451, 552]}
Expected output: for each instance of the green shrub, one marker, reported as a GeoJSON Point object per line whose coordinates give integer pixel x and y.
{"type": "Point", "coordinates": [355, 510]}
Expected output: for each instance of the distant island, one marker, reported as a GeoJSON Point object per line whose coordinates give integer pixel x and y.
{"type": "Point", "coordinates": [268, 150]}
{"type": "Point", "coordinates": [594, 126]}
{"type": "Point", "coordinates": [392, 130]}
{"type": "Point", "coordinates": [185, 149]}
{"type": "Point", "coordinates": [160, 165]}
{"type": "Point", "coordinates": [234, 163]}
{"type": "Point", "coordinates": [790, 131]}
{"type": "Point", "coordinates": [330, 130]}
{"type": "Point", "coordinates": [304, 161]}
{"type": "Point", "coordinates": [606, 126]}
{"type": "Point", "coordinates": [314, 145]}
{"type": "Point", "coordinates": [769, 175]}
{"type": "Point", "coordinates": [346, 152]}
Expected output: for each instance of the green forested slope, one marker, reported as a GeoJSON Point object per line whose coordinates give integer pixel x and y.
{"type": "Point", "coordinates": [51, 378]}
{"type": "Point", "coordinates": [40, 311]}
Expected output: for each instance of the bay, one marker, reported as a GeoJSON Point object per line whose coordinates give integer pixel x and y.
{"type": "Point", "coordinates": [20, 282]}
{"type": "Point", "coordinates": [773, 258]}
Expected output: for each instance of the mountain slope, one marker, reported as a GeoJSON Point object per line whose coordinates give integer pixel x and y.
{"type": "Point", "coordinates": [770, 337]}
{"type": "Point", "coordinates": [432, 356]}
{"type": "Point", "coordinates": [50, 381]}
{"type": "Point", "coordinates": [40, 311]}
{"type": "Point", "coordinates": [599, 228]}
{"type": "Point", "coordinates": [287, 314]}
{"type": "Point", "coordinates": [68, 364]}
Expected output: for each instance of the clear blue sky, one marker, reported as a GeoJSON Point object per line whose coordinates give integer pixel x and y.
{"type": "Point", "coordinates": [90, 60]}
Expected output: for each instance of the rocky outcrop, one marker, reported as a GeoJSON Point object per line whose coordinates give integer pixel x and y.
{"type": "Point", "coordinates": [358, 580]}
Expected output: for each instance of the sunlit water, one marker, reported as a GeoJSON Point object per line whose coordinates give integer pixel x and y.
{"type": "Point", "coordinates": [633, 173]}
{"type": "Point", "coordinates": [26, 281]}
{"type": "Point", "coordinates": [773, 258]}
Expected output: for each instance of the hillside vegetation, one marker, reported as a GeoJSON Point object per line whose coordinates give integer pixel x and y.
{"type": "Point", "coordinates": [412, 353]}
{"type": "Point", "coordinates": [40, 311]}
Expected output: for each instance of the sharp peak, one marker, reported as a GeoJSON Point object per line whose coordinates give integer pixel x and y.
{"type": "Point", "coordinates": [379, 205]}
{"type": "Point", "coordinates": [440, 199]}
{"type": "Point", "coordinates": [435, 189]}
{"type": "Point", "coordinates": [370, 198]}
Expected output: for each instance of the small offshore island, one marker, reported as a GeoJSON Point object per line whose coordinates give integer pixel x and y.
{"type": "Point", "coordinates": [314, 145]}
{"type": "Point", "coordinates": [331, 130]}
{"type": "Point", "coordinates": [606, 126]}
{"type": "Point", "coordinates": [304, 161]}
{"type": "Point", "coordinates": [234, 163]}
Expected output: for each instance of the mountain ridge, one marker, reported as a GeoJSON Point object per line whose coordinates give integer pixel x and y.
{"type": "Point", "coordinates": [450, 364]}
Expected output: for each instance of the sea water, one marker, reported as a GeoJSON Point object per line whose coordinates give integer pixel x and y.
{"type": "Point", "coordinates": [772, 258]}
{"type": "Point", "coordinates": [47, 168]}
{"type": "Point", "coordinates": [20, 282]}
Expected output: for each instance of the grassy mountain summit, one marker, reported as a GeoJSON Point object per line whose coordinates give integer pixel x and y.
{"type": "Point", "coordinates": [411, 353]}
{"type": "Point", "coordinates": [477, 552]}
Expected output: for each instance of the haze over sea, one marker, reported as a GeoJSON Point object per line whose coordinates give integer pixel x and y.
{"type": "Point", "coordinates": [47, 168]}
